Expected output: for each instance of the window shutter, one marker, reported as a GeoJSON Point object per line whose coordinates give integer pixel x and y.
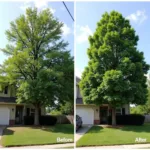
{"type": "Point", "coordinates": [28, 111]}
{"type": "Point", "coordinates": [123, 111]}
{"type": "Point", "coordinates": [110, 112]}
{"type": "Point", "coordinates": [40, 112]}
{"type": "Point", "coordinates": [6, 90]}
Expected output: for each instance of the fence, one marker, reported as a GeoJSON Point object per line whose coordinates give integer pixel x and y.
{"type": "Point", "coordinates": [147, 119]}
{"type": "Point", "coordinates": [63, 119]}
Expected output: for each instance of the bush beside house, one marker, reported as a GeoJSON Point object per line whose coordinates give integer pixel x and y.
{"type": "Point", "coordinates": [50, 120]}
{"type": "Point", "coordinates": [131, 119]}
{"type": "Point", "coordinates": [43, 120]}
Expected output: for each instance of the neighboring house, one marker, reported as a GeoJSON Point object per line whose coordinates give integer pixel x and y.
{"type": "Point", "coordinates": [10, 112]}
{"type": "Point", "coordinates": [92, 114]}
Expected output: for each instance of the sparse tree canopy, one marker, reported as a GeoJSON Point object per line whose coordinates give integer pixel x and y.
{"type": "Point", "coordinates": [115, 71]}
{"type": "Point", "coordinates": [38, 60]}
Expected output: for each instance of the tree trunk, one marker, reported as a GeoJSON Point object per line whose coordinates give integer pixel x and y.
{"type": "Point", "coordinates": [114, 116]}
{"type": "Point", "coordinates": [36, 116]}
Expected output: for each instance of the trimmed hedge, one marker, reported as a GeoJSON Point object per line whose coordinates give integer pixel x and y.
{"type": "Point", "coordinates": [131, 119]}
{"type": "Point", "coordinates": [43, 120]}
{"type": "Point", "coordinates": [48, 120]}
{"type": "Point", "coordinates": [28, 120]}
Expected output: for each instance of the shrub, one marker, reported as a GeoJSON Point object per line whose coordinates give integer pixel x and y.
{"type": "Point", "coordinates": [43, 120]}
{"type": "Point", "coordinates": [47, 120]}
{"type": "Point", "coordinates": [131, 119]}
{"type": "Point", "coordinates": [28, 120]}
{"type": "Point", "coordinates": [55, 112]}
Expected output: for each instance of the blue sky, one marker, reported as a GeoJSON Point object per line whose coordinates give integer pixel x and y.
{"type": "Point", "coordinates": [9, 11]}
{"type": "Point", "coordinates": [89, 13]}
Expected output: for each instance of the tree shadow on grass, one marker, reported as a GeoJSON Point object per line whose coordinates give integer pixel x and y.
{"type": "Point", "coordinates": [96, 129]}
{"type": "Point", "coordinates": [58, 128]}
{"type": "Point", "coordinates": [139, 128]}
{"type": "Point", "coordinates": [142, 128]}
{"type": "Point", "coordinates": [8, 131]}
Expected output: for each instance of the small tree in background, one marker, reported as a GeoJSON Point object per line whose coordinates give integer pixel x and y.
{"type": "Point", "coordinates": [115, 71]}
{"type": "Point", "coordinates": [142, 109]}
{"type": "Point", "coordinates": [38, 61]}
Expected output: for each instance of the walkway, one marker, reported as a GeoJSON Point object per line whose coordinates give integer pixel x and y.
{"type": "Point", "coordinates": [82, 131]}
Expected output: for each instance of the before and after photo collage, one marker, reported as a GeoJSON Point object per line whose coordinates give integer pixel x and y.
{"type": "Point", "coordinates": [74, 74]}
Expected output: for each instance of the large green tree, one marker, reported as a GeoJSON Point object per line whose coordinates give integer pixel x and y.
{"type": "Point", "coordinates": [38, 61]}
{"type": "Point", "coordinates": [115, 71]}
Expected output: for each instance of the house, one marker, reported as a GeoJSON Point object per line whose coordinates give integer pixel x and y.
{"type": "Point", "coordinates": [92, 114]}
{"type": "Point", "coordinates": [10, 112]}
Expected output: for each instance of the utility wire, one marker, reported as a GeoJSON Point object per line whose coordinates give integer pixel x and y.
{"type": "Point", "coordinates": [68, 10]}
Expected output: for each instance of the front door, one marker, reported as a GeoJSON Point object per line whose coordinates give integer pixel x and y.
{"type": "Point", "coordinates": [103, 115]}
{"type": "Point", "coordinates": [19, 115]}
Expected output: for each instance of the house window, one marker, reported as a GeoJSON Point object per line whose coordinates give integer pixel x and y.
{"type": "Point", "coordinates": [32, 112]}
{"type": "Point", "coordinates": [118, 111]}
{"type": "Point", "coordinates": [6, 90]}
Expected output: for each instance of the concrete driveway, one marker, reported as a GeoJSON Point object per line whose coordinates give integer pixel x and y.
{"type": "Point", "coordinates": [1, 132]}
{"type": "Point", "coordinates": [82, 131]}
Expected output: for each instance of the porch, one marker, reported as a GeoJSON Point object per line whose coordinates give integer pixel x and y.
{"type": "Point", "coordinates": [23, 110]}
{"type": "Point", "coordinates": [102, 112]}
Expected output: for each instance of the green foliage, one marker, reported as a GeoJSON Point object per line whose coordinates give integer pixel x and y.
{"type": "Point", "coordinates": [67, 108]}
{"type": "Point", "coordinates": [55, 112]}
{"type": "Point", "coordinates": [142, 109]}
{"type": "Point", "coordinates": [115, 71]}
{"type": "Point", "coordinates": [38, 62]}
{"type": "Point", "coordinates": [137, 110]}
{"type": "Point", "coordinates": [63, 109]}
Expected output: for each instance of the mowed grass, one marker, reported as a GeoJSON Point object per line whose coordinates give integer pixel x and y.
{"type": "Point", "coordinates": [17, 136]}
{"type": "Point", "coordinates": [98, 135]}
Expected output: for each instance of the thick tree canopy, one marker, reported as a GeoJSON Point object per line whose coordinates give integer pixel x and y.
{"type": "Point", "coordinates": [38, 60]}
{"type": "Point", "coordinates": [115, 71]}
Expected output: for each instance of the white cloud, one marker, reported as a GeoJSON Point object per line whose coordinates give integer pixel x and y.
{"type": "Point", "coordinates": [25, 6]}
{"type": "Point", "coordinates": [138, 17]}
{"type": "Point", "coordinates": [84, 32]}
{"type": "Point", "coordinates": [52, 10]}
{"type": "Point", "coordinates": [40, 4]}
{"type": "Point", "coordinates": [66, 30]}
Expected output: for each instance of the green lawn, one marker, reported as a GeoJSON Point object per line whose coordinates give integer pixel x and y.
{"type": "Point", "coordinates": [17, 136]}
{"type": "Point", "coordinates": [115, 136]}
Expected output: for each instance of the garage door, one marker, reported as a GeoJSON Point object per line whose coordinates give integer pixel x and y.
{"type": "Point", "coordinates": [86, 113]}
{"type": "Point", "coordinates": [4, 116]}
